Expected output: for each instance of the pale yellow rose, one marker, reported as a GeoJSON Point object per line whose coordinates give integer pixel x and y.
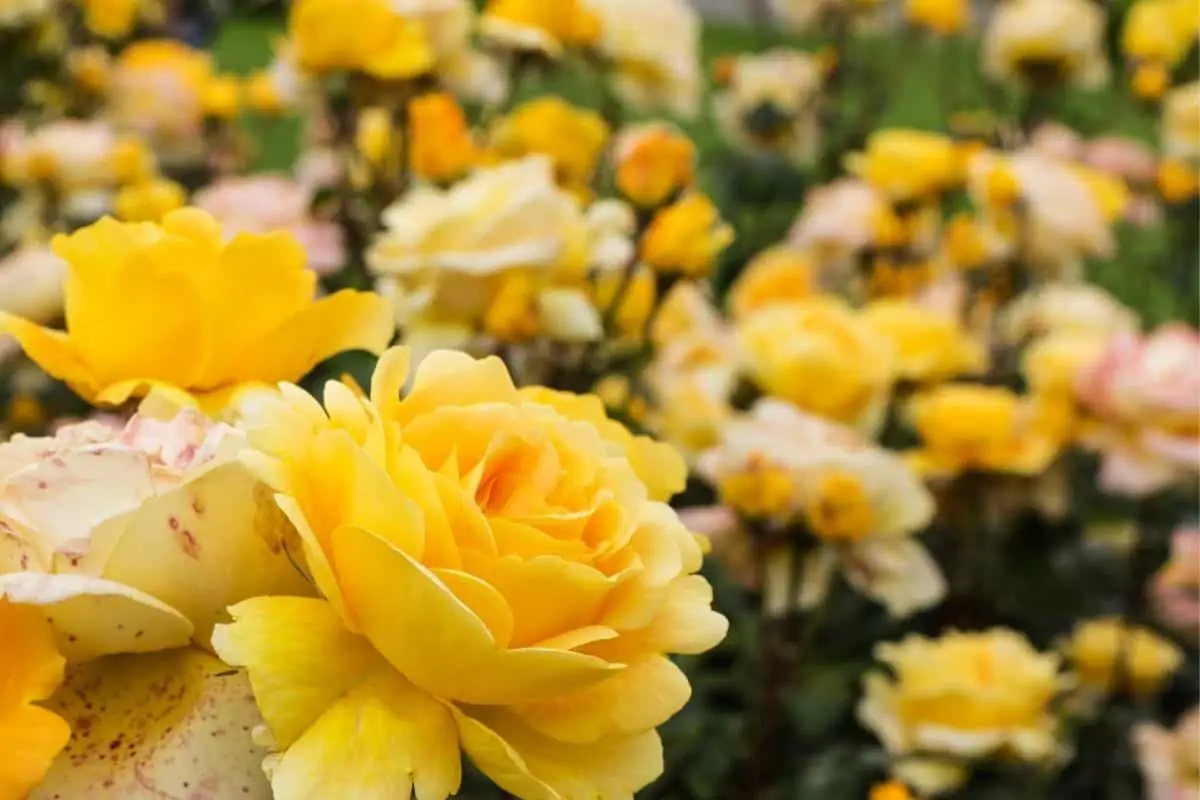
{"type": "Point", "coordinates": [860, 502]}
{"type": "Point", "coordinates": [1047, 42]}
{"type": "Point", "coordinates": [1066, 308]}
{"type": "Point", "coordinates": [654, 52]}
{"type": "Point", "coordinates": [1101, 649]}
{"type": "Point", "coordinates": [929, 346]}
{"type": "Point", "coordinates": [772, 103]}
{"type": "Point", "coordinates": [1170, 759]}
{"type": "Point", "coordinates": [956, 701]}
{"type": "Point", "coordinates": [18, 13]}
{"type": "Point", "coordinates": [156, 92]}
{"type": "Point", "coordinates": [801, 16]}
{"type": "Point", "coordinates": [31, 284]}
{"type": "Point", "coordinates": [822, 357]}
{"type": "Point", "coordinates": [80, 158]}
{"type": "Point", "coordinates": [1181, 122]}
{"type": "Point", "coordinates": [494, 581]}
{"type": "Point", "coordinates": [124, 539]}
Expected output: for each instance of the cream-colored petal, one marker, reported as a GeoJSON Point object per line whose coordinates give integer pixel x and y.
{"type": "Point", "coordinates": [899, 573]}
{"type": "Point", "coordinates": [94, 617]}
{"type": "Point", "coordinates": [435, 640]}
{"type": "Point", "coordinates": [568, 315]}
{"type": "Point", "coordinates": [204, 546]}
{"type": "Point", "coordinates": [299, 657]}
{"type": "Point", "coordinates": [174, 724]}
{"type": "Point", "coordinates": [530, 765]}
{"type": "Point", "coordinates": [930, 776]}
{"type": "Point", "coordinates": [382, 741]}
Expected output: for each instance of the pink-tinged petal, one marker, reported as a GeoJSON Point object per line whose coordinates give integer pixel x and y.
{"type": "Point", "coordinates": [1131, 473]}
{"type": "Point", "coordinates": [93, 617]}
{"type": "Point", "coordinates": [160, 725]}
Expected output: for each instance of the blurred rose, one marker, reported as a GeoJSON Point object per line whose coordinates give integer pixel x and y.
{"type": "Point", "coordinates": [1143, 395]}
{"type": "Point", "coordinates": [1170, 759]}
{"type": "Point", "coordinates": [1057, 140]}
{"type": "Point", "coordinates": [838, 222]}
{"type": "Point", "coordinates": [1123, 157]}
{"type": "Point", "coordinates": [1071, 308]}
{"type": "Point", "coordinates": [1175, 590]}
{"type": "Point", "coordinates": [78, 157]}
{"type": "Point", "coordinates": [772, 103]}
{"type": "Point", "coordinates": [15, 13]}
{"type": "Point", "coordinates": [1181, 122]}
{"type": "Point", "coordinates": [265, 203]}
{"type": "Point", "coordinates": [31, 284]}
{"type": "Point", "coordinates": [654, 48]}
{"type": "Point", "coordinates": [156, 92]}
{"type": "Point", "coordinates": [1101, 649]}
{"type": "Point", "coordinates": [1044, 42]}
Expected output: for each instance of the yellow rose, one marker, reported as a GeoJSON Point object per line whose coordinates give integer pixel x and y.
{"type": "Point", "coordinates": [822, 357]}
{"type": "Point", "coordinates": [441, 149]}
{"type": "Point", "coordinates": [110, 19]}
{"type": "Point", "coordinates": [1152, 33]}
{"type": "Point", "coordinates": [970, 427]}
{"type": "Point", "coordinates": [366, 36]}
{"type": "Point", "coordinates": [651, 70]}
{"type": "Point", "coordinates": [262, 95]}
{"type": "Point", "coordinates": [76, 156]}
{"type": "Point", "coordinates": [173, 307]}
{"type": "Point", "coordinates": [573, 138]}
{"type": "Point", "coordinates": [943, 17]}
{"type": "Point", "coordinates": [778, 275]}
{"type": "Point", "coordinates": [121, 541]}
{"type": "Point", "coordinates": [538, 26]}
{"type": "Point", "coordinates": [1096, 647]}
{"type": "Point", "coordinates": [494, 580]}
{"type": "Point", "coordinates": [149, 201]}
{"type": "Point", "coordinates": [952, 702]}
{"type": "Point", "coordinates": [686, 238]}
{"type": "Point", "coordinates": [891, 790]}
{"type": "Point", "coordinates": [1053, 364]}
{"type": "Point", "coordinates": [1047, 43]}
{"type": "Point", "coordinates": [772, 103]}
{"type": "Point", "coordinates": [1168, 758]}
{"type": "Point", "coordinates": [861, 503]}
{"type": "Point", "coordinates": [929, 346]}
{"type": "Point", "coordinates": [1177, 181]}
{"type": "Point", "coordinates": [654, 162]}
{"type": "Point", "coordinates": [222, 97]}
{"type": "Point", "coordinates": [90, 68]}
{"type": "Point", "coordinates": [444, 254]}
{"type": "Point", "coordinates": [908, 164]}
{"type": "Point", "coordinates": [1181, 122]}
{"type": "Point", "coordinates": [31, 284]}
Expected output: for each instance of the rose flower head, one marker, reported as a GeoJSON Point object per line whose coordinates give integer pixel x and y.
{"type": "Point", "coordinates": [494, 581]}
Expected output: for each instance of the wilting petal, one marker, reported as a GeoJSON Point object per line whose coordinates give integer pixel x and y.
{"type": "Point", "coordinates": [204, 546]}
{"type": "Point", "coordinates": [639, 698]}
{"type": "Point", "coordinates": [93, 617]}
{"type": "Point", "coordinates": [174, 724]}
{"type": "Point", "coordinates": [299, 657]}
{"type": "Point", "coordinates": [435, 640]}
{"type": "Point", "coordinates": [536, 767]}
{"type": "Point", "coordinates": [899, 573]}
{"type": "Point", "coordinates": [379, 742]}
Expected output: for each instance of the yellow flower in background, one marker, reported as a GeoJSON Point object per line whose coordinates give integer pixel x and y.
{"type": "Point", "coordinates": [822, 357]}
{"type": "Point", "coordinates": [17, 13]}
{"type": "Point", "coordinates": [149, 201]}
{"type": "Point", "coordinates": [173, 307]}
{"type": "Point", "coordinates": [368, 36]}
{"type": "Point", "coordinates": [222, 97]}
{"type": "Point", "coordinates": [31, 283]}
{"type": "Point", "coordinates": [1097, 647]}
{"type": "Point", "coordinates": [891, 790]}
{"type": "Point", "coordinates": [1073, 308]}
{"type": "Point", "coordinates": [495, 581]}
{"type": "Point", "coordinates": [971, 427]}
{"type": "Point", "coordinates": [1177, 181]}
{"type": "Point", "coordinates": [654, 161]}
{"type": "Point", "coordinates": [376, 140]}
{"type": "Point", "coordinates": [1181, 122]}
{"type": "Point", "coordinates": [30, 672]}
{"type": "Point", "coordinates": [156, 93]}
{"type": "Point", "coordinates": [1155, 32]}
{"type": "Point", "coordinates": [1110, 193]}
{"type": "Point", "coordinates": [132, 161]}
{"type": "Point", "coordinates": [650, 70]}
{"type": "Point", "coordinates": [686, 238]}
{"type": "Point", "coordinates": [110, 19]}
{"type": "Point", "coordinates": [958, 700]}
{"type": "Point", "coordinates": [1149, 81]}
{"type": "Point", "coordinates": [120, 538]}
{"type": "Point", "coordinates": [777, 275]}
{"type": "Point", "coordinates": [908, 164]}
{"type": "Point", "coordinates": [538, 26]}
{"type": "Point", "coordinates": [861, 503]}
{"type": "Point", "coordinates": [1047, 43]}
{"type": "Point", "coordinates": [1052, 364]}
{"type": "Point", "coordinates": [943, 17]}
{"type": "Point", "coordinates": [966, 243]}
{"type": "Point", "coordinates": [772, 103]}
{"type": "Point", "coordinates": [262, 95]}
{"type": "Point", "coordinates": [574, 138]}
{"type": "Point", "coordinates": [441, 149]}
{"type": "Point", "coordinates": [90, 68]}
{"type": "Point", "coordinates": [641, 293]}
{"type": "Point", "coordinates": [928, 346]}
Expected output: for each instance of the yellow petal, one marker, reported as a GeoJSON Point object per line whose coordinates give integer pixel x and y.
{"type": "Point", "coordinates": [379, 742]}
{"type": "Point", "coordinates": [32, 738]}
{"type": "Point", "coordinates": [435, 640]}
{"type": "Point", "coordinates": [533, 766]}
{"type": "Point", "coordinates": [93, 617]}
{"type": "Point", "coordinates": [347, 320]}
{"type": "Point", "coordinates": [450, 378]}
{"type": "Point", "coordinates": [54, 352]}
{"type": "Point", "coordinates": [32, 667]}
{"type": "Point", "coordinates": [639, 698]}
{"type": "Point", "coordinates": [173, 724]}
{"type": "Point", "coordinates": [179, 547]}
{"type": "Point", "coordinates": [315, 558]}
{"type": "Point", "coordinates": [391, 373]}
{"type": "Point", "coordinates": [685, 624]}
{"type": "Point", "coordinates": [299, 657]}
{"type": "Point", "coordinates": [482, 598]}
